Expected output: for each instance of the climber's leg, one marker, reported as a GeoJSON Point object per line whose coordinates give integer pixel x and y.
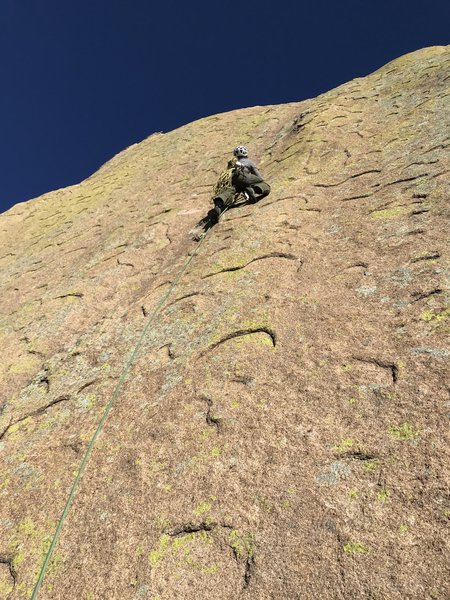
{"type": "Point", "coordinates": [250, 194]}
{"type": "Point", "coordinates": [262, 189]}
{"type": "Point", "coordinates": [215, 213]}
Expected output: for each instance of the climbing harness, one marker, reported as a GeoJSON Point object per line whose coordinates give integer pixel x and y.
{"type": "Point", "coordinates": [107, 410]}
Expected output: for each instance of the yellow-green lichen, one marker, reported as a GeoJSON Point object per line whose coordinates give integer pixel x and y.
{"type": "Point", "coordinates": [354, 548]}
{"type": "Point", "coordinates": [26, 365]}
{"type": "Point", "coordinates": [5, 484]}
{"type": "Point", "coordinates": [88, 401]}
{"type": "Point", "coordinates": [371, 465]}
{"type": "Point", "coordinates": [156, 555]}
{"type": "Point", "coordinates": [180, 550]}
{"type": "Point", "coordinates": [390, 213]}
{"type": "Point", "coordinates": [243, 545]}
{"type": "Point", "coordinates": [31, 541]}
{"type": "Point", "coordinates": [383, 495]}
{"type": "Point", "coordinates": [265, 504]}
{"type": "Point", "coordinates": [27, 527]}
{"type": "Point", "coordinates": [6, 587]}
{"type": "Point", "coordinates": [202, 508]}
{"type": "Point", "coordinates": [344, 445]}
{"type": "Point", "coordinates": [435, 318]}
{"type": "Point", "coordinates": [403, 432]}
{"type": "Point", "coordinates": [18, 558]}
{"type": "Point", "coordinates": [162, 520]}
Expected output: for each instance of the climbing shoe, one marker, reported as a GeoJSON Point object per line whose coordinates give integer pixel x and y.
{"type": "Point", "coordinates": [250, 195]}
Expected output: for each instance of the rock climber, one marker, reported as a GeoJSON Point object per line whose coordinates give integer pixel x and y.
{"type": "Point", "coordinates": [240, 177]}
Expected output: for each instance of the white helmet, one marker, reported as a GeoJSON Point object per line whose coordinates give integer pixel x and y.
{"type": "Point", "coordinates": [240, 152]}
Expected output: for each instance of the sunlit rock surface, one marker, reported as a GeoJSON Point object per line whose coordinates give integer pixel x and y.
{"type": "Point", "coordinates": [282, 433]}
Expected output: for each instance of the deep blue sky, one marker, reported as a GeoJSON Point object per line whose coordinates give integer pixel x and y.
{"type": "Point", "coordinates": [83, 79]}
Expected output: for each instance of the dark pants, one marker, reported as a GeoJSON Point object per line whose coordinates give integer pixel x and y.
{"type": "Point", "coordinates": [253, 185]}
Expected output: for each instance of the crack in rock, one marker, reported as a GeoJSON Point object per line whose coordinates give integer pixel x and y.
{"type": "Point", "coordinates": [358, 455]}
{"type": "Point", "coordinates": [244, 379]}
{"type": "Point", "coordinates": [241, 333]}
{"type": "Point", "coordinates": [190, 528]}
{"type": "Point", "coordinates": [328, 185]}
{"type": "Point", "coordinates": [419, 211]}
{"type": "Point", "coordinates": [125, 264]}
{"type": "Point", "coordinates": [263, 205]}
{"type": "Point", "coordinates": [249, 568]}
{"type": "Point", "coordinates": [430, 256]}
{"type": "Point", "coordinates": [34, 413]}
{"type": "Point", "coordinates": [70, 295]}
{"type": "Point", "coordinates": [186, 296]}
{"type": "Point", "coordinates": [393, 368]}
{"type": "Point", "coordinates": [85, 385]}
{"type": "Point", "coordinates": [421, 295]}
{"type": "Point", "coordinates": [405, 180]}
{"type": "Point", "coordinates": [249, 559]}
{"type": "Point", "coordinates": [6, 560]}
{"type": "Point", "coordinates": [356, 197]}
{"type": "Point", "coordinates": [211, 421]}
{"type": "Point", "coordinates": [170, 352]}
{"type": "Point", "coordinates": [271, 255]}
{"type": "Point", "coordinates": [44, 379]}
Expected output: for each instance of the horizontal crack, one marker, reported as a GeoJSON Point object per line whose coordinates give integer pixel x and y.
{"type": "Point", "coordinates": [85, 385]}
{"type": "Point", "coordinates": [184, 297]}
{"type": "Point", "coordinates": [70, 295]}
{"type": "Point", "coordinates": [125, 264]}
{"type": "Point", "coordinates": [241, 333]}
{"type": "Point", "coordinates": [263, 205]}
{"type": "Point", "coordinates": [271, 255]}
{"type": "Point", "coordinates": [190, 528]}
{"type": "Point", "coordinates": [34, 413]}
{"type": "Point", "coordinates": [359, 455]}
{"type": "Point", "coordinates": [356, 197]}
{"type": "Point", "coordinates": [405, 180]}
{"type": "Point", "coordinates": [328, 185]}
{"type": "Point", "coordinates": [392, 367]}
{"type": "Point", "coordinates": [244, 379]}
{"type": "Point", "coordinates": [421, 295]}
{"type": "Point", "coordinates": [419, 211]}
{"type": "Point", "coordinates": [431, 256]}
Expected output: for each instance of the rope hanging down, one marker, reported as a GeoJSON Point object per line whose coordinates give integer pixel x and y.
{"type": "Point", "coordinates": [105, 415]}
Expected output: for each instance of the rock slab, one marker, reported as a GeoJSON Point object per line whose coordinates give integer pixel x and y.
{"type": "Point", "coordinates": [283, 432]}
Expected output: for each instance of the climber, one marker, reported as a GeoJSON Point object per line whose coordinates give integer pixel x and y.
{"type": "Point", "coordinates": [240, 177]}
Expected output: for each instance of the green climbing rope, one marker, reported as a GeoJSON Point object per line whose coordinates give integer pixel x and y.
{"type": "Point", "coordinates": [106, 412]}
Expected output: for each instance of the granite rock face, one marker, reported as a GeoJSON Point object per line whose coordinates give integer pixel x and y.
{"type": "Point", "coordinates": [282, 432]}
